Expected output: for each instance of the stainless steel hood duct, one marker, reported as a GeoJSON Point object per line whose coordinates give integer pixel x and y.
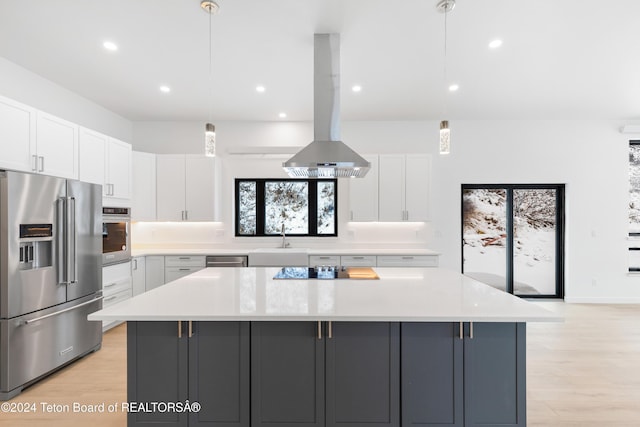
{"type": "Point", "coordinates": [326, 156]}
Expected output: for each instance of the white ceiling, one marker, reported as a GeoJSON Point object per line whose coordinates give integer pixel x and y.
{"type": "Point", "coordinates": [561, 59]}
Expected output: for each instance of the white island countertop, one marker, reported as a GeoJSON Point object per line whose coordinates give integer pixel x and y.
{"type": "Point", "coordinates": [401, 294]}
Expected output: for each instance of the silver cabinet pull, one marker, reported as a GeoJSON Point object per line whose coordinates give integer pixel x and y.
{"type": "Point", "coordinates": [34, 161]}
{"type": "Point", "coordinates": [324, 257]}
{"type": "Point", "coordinates": [182, 215]}
{"type": "Point", "coordinates": [135, 264]}
{"type": "Point", "coordinates": [190, 328]}
{"type": "Point", "coordinates": [319, 330]}
{"type": "Point", "coordinates": [41, 168]}
{"type": "Point", "coordinates": [179, 328]}
{"type": "Point", "coordinates": [184, 269]}
{"type": "Point", "coordinates": [461, 331]}
{"type": "Point", "coordinates": [186, 215]}
{"type": "Point", "coordinates": [330, 334]}
{"type": "Point", "coordinates": [184, 257]}
{"type": "Point", "coordinates": [471, 330]}
{"type": "Point", "coordinates": [358, 257]}
{"type": "Point", "coordinates": [111, 298]}
{"type": "Point", "coordinates": [111, 284]}
{"type": "Point", "coordinates": [46, 316]}
{"type": "Point", "coordinates": [407, 257]}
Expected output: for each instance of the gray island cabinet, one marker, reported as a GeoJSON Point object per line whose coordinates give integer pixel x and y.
{"type": "Point", "coordinates": [422, 347]}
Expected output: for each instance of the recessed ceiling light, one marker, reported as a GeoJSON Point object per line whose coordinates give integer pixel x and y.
{"type": "Point", "coordinates": [282, 115]}
{"type": "Point", "coordinates": [260, 89]}
{"type": "Point", "coordinates": [454, 87]}
{"type": "Point", "coordinates": [495, 44]}
{"type": "Point", "coordinates": [165, 89]}
{"type": "Point", "coordinates": [356, 88]}
{"type": "Point", "coordinates": [110, 46]}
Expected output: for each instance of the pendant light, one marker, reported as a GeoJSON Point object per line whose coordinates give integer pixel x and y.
{"type": "Point", "coordinates": [445, 6]}
{"type": "Point", "coordinates": [211, 7]}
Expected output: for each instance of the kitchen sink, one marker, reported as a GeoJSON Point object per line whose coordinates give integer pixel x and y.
{"type": "Point", "coordinates": [278, 257]}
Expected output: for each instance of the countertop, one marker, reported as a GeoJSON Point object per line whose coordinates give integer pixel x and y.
{"type": "Point", "coordinates": [311, 251]}
{"type": "Point", "coordinates": [401, 294]}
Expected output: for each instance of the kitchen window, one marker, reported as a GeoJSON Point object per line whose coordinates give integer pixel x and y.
{"type": "Point", "coordinates": [305, 207]}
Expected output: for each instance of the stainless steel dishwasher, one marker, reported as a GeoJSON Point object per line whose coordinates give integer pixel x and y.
{"type": "Point", "coordinates": [226, 261]}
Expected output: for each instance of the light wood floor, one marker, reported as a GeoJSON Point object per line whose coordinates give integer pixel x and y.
{"type": "Point", "coordinates": [583, 372]}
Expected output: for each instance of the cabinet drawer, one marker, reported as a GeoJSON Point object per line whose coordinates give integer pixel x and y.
{"type": "Point", "coordinates": [115, 286]}
{"type": "Point", "coordinates": [358, 260]}
{"type": "Point", "coordinates": [184, 261]}
{"type": "Point", "coordinates": [324, 260]}
{"type": "Point", "coordinates": [407, 260]}
{"type": "Point", "coordinates": [116, 298]}
{"type": "Point", "coordinates": [174, 273]}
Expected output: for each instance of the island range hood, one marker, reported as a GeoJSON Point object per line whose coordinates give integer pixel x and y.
{"type": "Point", "coordinates": [326, 156]}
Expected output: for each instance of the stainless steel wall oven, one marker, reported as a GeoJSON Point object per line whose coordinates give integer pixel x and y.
{"type": "Point", "coordinates": [116, 238]}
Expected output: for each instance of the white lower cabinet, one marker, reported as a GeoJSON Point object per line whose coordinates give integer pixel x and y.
{"type": "Point", "coordinates": [116, 287]}
{"type": "Point", "coordinates": [407, 260]}
{"type": "Point", "coordinates": [358, 260]}
{"type": "Point", "coordinates": [154, 272]}
{"type": "Point", "coordinates": [176, 267]}
{"type": "Point", "coordinates": [138, 275]}
{"type": "Point", "coordinates": [375, 260]}
{"type": "Point", "coordinates": [324, 260]}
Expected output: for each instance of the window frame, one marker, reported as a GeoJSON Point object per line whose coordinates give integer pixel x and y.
{"type": "Point", "coordinates": [260, 206]}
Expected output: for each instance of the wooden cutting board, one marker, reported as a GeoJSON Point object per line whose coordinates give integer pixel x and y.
{"type": "Point", "coordinates": [361, 273]}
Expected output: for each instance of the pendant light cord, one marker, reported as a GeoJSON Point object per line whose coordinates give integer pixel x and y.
{"type": "Point", "coordinates": [210, 74]}
{"type": "Point", "coordinates": [446, 11]}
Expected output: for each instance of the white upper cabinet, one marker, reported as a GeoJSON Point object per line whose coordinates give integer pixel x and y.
{"type": "Point", "coordinates": [143, 181]}
{"type": "Point", "coordinates": [118, 170]}
{"type": "Point", "coordinates": [56, 146]}
{"type": "Point", "coordinates": [363, 194]}
{"type": "Point", "coordinates": [170, 187]}
{"type": "Point", "coordinates": [417, 187]}
{"type": "Point", "coordinates": [391, 197]}
{"type": "Point", "coordinates": [185, 187]}
{"type": "Point", "coordinates": [403, 189]}
{"type": "Point", "coordinates": [200, 188]}
{"type": "Point", "coordinates": [17, 135]}
{"type": "Point", "coordinates": [106, 161]}
{"type": "Point", "coordinates": [93, 146]}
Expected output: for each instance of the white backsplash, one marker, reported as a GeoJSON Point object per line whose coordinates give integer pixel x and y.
{"type": "Point", "coordinates": [218, 234]}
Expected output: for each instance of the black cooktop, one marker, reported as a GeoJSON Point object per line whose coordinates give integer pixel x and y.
{"type": "Point", "coordinates": [300, 273]}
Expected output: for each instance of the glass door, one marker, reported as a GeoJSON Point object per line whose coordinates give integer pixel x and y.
{"type": "Point", "coordinates": [513, 237]}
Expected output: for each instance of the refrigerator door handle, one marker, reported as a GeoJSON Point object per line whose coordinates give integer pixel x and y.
{"type": "Point", "coordinates": [46, 316]}
{"type": "Point", "coordinates": [72, 267]}
{"type": "Point", "coordinates": [61, 237]}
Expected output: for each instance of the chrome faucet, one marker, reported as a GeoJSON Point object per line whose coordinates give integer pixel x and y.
{"type": "Point", "coordinates": [285, 244]}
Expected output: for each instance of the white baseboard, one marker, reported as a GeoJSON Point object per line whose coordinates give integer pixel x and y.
{"type": "Point", "coordinates": [601, 300]}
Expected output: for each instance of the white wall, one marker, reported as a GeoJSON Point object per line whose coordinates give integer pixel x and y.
{"type": "Point", "coordinates": [590, 157]}
{"type": "Point", "coordinates": [29, 88]}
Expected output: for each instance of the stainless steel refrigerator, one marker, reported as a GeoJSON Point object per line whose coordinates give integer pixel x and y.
{"type": "Point", "coordinates": [50, 275]}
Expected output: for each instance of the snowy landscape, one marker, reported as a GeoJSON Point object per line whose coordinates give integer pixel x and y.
{"type": "Point", "coordinates": [485, 238]}
{"type": "Point", "coordinates": [634, 188]}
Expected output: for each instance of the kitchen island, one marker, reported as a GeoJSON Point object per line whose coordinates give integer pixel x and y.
{"type": "Point", "coordinates": [420, 346]}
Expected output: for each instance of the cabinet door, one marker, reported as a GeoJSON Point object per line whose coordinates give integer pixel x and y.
{"type": "Point", "coordinates": [199, 188]}
{"type": "Point", "coordinates": [363, 374]}
{"type": "Point", "coordinates": [495, 374]}
{"type": "Point", "coordinates": [431, 377]}
{"type": "Point", "coordinates": [17, 135]}
{"type": "Point", "coordinates": [363, 194]}
{"type": "Point", "coordinates": [118, 168]}
{"type": "Point", "coordinates": [287, 374]}
{"type": "Point", "coordinates": [92, 149]}
{"type": "Point", "coordinates": [57, 146]}
{"type": "Point", "coordinates": [157, 370]}
{"type": "Point", "coordinates": [219, 374]}
{"type": "Point", "coordinates": [391, 188]}
{"type": "Point", "coordinates": [143, 186]}
{"type": "Point", "coordinates": [170, 187]}
{"type": "Point", "coordinates": [154, 272]}
{"type": "Point", "coordinates": [417, 185]}
{"type": "Point", "coordinates": [138, 274]}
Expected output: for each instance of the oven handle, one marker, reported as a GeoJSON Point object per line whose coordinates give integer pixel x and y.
{"type": "Point", "coordinates": [46, 316]}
